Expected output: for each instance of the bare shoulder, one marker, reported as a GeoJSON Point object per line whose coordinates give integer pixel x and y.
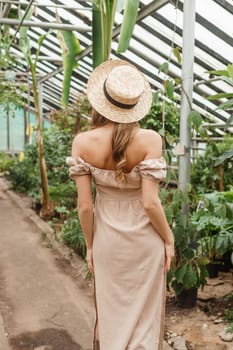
{"type": "Point", "coordinates": [80, 137]}
{"type": "Point", "coordinates": [151, 134]}
{"type": "Point", "coordinates": [79, 143]}
{"type": "Point", "coordinates": [151, 142]}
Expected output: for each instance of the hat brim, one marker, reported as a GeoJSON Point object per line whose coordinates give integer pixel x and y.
{"type": "Point", "coordinates": [101, 104]}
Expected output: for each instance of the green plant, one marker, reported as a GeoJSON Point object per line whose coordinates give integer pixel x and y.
{"type": "Point", "coordinates": [47, 207]}
{"type": "Point", "coordinates": [214, 223]}
{"type": "Point", "coordinates": [103, 15]}
{"type": "Point", "coordinates": [24, 173]}
{"type": "Point", "coordinates": [188, 268]}
{"type": "Point", "coordinates": [70, 49]}
{"type": "Point", "coordinates": [129, 20]}
{"type": "Point", "coordinates": [5, 162]}
{"type": "Point", "coordinates": [227, 76]}
{"type": "Point", "coordinates": [11, 94]}
{"type": "Point", "coordinates": [228, 313]}
{"type": "Point", "coordinates": [73, 236]}
{"type": "Point", "coordinates": [72, 117]}
{"type": "Point", "coordinates": [205, 176]}
{"type": "Point", "coordinates": [229, 318]}
{"type": "Point", "coordinates": [207, 246]}
{"type": "Point", "coordinates": [168, 128]}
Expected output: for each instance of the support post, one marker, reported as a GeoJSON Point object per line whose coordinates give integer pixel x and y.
{"type": "Point", "coordinates": [8, 128]}
{"type": "Point", "coordinates": [187, 91]}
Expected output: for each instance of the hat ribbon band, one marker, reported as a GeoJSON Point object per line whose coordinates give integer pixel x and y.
{"type": "Point", "coordinates": [114, 102]}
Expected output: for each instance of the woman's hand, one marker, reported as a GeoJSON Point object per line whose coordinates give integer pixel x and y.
{"type": "Point", "coordinates": [169, 255]}
{"type": "Point", "coordinates": [89, 260]}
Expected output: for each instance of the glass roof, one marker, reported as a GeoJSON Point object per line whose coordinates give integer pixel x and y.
{"type": "Point", "coordinates": [158, 29]}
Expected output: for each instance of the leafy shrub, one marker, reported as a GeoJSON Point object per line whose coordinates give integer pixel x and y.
{"type": "Point", "coordinates": [24, 175]}
{"type": "Point", "coordinates": [188, 269]}
{"type": "Point", "coordinates": [73, 236]}
{"type": "Point", "coordinates": [63, 194]}
{"type": "Point", "coordinates": [5, 162]}
{"type": "Point", "coordinates": [214, 222]}
{"type": "Point", "coordinates": [154, 120]}
{"type": "Point", "coordinates": [204, 174]}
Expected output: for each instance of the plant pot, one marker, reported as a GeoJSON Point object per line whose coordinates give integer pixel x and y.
{"type": "Point", "coordinates": [212, 269]}
{"type": "Point", "coordinates": [187, 298]}
{"type": "Point", "coordinates": [225, 262]}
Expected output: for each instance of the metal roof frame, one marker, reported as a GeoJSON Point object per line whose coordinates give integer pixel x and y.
{"type": "Point", "coordinates": [150, 21]}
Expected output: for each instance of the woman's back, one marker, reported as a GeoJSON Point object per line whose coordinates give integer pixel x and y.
{"type": "Point", "coordinates": [95, 147]}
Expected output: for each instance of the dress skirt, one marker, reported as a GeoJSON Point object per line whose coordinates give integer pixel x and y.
{"type": "Point", "coordinates": [128, 257]}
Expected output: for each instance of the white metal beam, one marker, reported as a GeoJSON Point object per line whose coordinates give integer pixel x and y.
{"type": "Point", "coordinates": [187, 92]}
{"type": "Point", "coordinates": [44, 25]}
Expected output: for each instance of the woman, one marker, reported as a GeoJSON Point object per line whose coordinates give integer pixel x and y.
{"type": "Point", "coordinates": [129, 243]}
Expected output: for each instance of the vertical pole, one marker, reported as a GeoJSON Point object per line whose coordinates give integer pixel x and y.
{"type": "Point", "coordinates": [187, 90]}
{"type": "Point", "coordinates": [8, 127]}
{"type": "Point", "coordinates": [25, 125]}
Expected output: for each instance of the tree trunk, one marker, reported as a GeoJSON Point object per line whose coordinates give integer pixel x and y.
{"type": "Point", "coordinates": [220, 174]}
{"type": "Point", "coordinates": [47, 209]}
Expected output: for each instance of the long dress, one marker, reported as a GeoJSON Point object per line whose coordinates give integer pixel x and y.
{"type": "Point", "coordinates": [128, 258]}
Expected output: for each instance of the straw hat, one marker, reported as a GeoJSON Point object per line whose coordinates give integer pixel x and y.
{"type": "Point", "coordinates": [119, 91]}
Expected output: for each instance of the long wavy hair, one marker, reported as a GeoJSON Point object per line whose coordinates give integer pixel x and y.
{"type": "Point", "coordinates": [122, 133]}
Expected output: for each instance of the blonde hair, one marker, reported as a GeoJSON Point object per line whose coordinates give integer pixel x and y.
{"type": "Point", "coordinates": [121, 136]}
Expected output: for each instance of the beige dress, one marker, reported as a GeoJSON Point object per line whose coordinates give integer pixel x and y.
{"type": "Point", "coordinates": [128, 257]}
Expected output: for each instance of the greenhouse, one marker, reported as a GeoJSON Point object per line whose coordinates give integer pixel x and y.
{"type": "Point", "coordinates": [48, 50]}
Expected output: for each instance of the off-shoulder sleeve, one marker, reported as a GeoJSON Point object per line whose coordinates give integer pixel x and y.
{"type": "Point", "coordinates": [153, 169]}
{"type": "Point", "coordinates": [77, 167]}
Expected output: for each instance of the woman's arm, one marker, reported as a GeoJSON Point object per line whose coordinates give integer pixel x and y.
{"type": "Point", "coordinates": [151, 201]}
{"type": "Point", "coordinates": [85, 207]}
{"type": "Point", "coordinates": [85, 203]}
{"type": "Point", "coordinates": [155, 212]}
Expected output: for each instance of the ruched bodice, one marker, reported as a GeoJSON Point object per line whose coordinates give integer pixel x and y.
{"type": "Point", "coordinates": [152, 169]}
{"type": "Point", "coordinates": [128, 256]}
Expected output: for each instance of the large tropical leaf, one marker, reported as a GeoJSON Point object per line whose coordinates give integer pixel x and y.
{"type": "Point", "coordinates": [127, 27]}
{"type": "Point", "coordinates": [190, 277]}
{"type": "Point", "coordinates": [226, 155]}
{"type": "Point", "coordinates": [97, 39]}
{"type": "Point", "coordinates": [180, 273]}
{"type": "Point", "coordinates": [70, 49]}
{"type": "Point", "coordinates": [103, 14]}
{"type": "Point", "coordinates": [24, 42]}
{"type": "Point", "coordinates": [226, 105]}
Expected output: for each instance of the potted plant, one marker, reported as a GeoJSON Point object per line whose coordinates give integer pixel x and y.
{"type": "Point", "coordinates": [214, 223]}
{"type": "Point", "coordinates": [188, 271]}
{"type": "Point", "coordinates": [207, 246]}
